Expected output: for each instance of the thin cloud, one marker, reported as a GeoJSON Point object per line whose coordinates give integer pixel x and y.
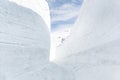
{"type": "Point", "coordinates": [63, 11]}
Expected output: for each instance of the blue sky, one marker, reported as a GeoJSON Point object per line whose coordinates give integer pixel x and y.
{"type": "Point", "coordinates": [63, 12]}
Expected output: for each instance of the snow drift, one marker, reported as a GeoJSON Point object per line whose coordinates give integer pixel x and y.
{"type": "Point", "coordinates": [93, 49]}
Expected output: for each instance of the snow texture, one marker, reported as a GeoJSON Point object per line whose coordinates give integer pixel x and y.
{"type": "Point", "coordinates": [92, 50]}
{"type": "Point", "coordinates": [39, 6]}
{"type": "Point", "coordinates": [24, 46]}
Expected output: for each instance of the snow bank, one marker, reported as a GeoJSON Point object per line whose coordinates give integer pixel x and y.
{"type": "Point", "coordinates": [24, 41]}
{"type": "Point", "coordinates": [93, 49]}
{"type": "Point", "coordinates": [25, 46]}
{"type": "Point", "coordinates": [97, 24]}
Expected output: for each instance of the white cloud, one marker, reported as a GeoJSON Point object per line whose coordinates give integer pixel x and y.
{"type": "Point", "coordinates": [65, 12]}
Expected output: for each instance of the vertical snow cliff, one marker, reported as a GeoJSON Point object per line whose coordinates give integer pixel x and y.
{"type": "Point", "coordinates": [25, 46]}
{"type": "Point", "coordinates": [38, 6]}
{"type": "Point", "coordinates": [24, 42]}
{"type": "Point", "coordinates": [93, 49]}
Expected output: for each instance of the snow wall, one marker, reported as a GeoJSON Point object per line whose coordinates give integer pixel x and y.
{"type": "Point", "coordinates": [24, 41]}
{"type": "Point", "coordinates": [39, 6]}
{"type": "Point", "coordinates": [25, 46]}
{"type": "Point", "coordinates": [98, 24]}
{"type": "Point", "coordinates": [92, 50]}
